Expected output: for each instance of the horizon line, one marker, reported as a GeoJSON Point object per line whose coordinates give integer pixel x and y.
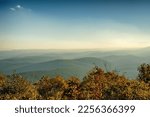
{"type": "Point", "coordinates": [74, 49]}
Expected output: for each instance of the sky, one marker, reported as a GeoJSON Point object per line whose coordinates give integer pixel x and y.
{"type": "Point", "coordinates": [74, 24]}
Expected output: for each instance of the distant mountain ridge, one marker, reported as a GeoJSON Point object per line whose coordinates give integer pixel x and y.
{"type": "Point", "coordinates": [66, 68]}
{"type": "Point", "coordinates": [34, 64]}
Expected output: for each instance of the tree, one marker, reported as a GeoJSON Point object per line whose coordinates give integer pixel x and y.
{"type": "Point", "coordinates": [73, 90]}
{"type": "Point", "coordinates": [16, 87]}
{"type": "Point", "coordinates": [51, 88]}
{"type": "Point", "coordinates": [92, 85]}
{"type": "Point", "coordinates": [144, 73]}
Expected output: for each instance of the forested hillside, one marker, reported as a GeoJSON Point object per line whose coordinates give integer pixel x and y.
{"type": "Point", "coordinates": [96, 85]}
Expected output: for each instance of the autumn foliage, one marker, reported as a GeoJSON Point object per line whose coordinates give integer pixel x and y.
{"type": "Point", "coordinates": [96, 85]}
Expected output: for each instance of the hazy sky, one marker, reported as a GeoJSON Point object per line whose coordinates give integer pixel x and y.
{"type": "Point", "coordinates": [74, 24]}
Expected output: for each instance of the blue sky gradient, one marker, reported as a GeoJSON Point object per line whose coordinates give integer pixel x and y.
{"type": "Point", "coordinates": [74, 24]}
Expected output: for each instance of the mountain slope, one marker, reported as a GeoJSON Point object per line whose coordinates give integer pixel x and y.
{"type": "Point", "coordinates": [69, 63]}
